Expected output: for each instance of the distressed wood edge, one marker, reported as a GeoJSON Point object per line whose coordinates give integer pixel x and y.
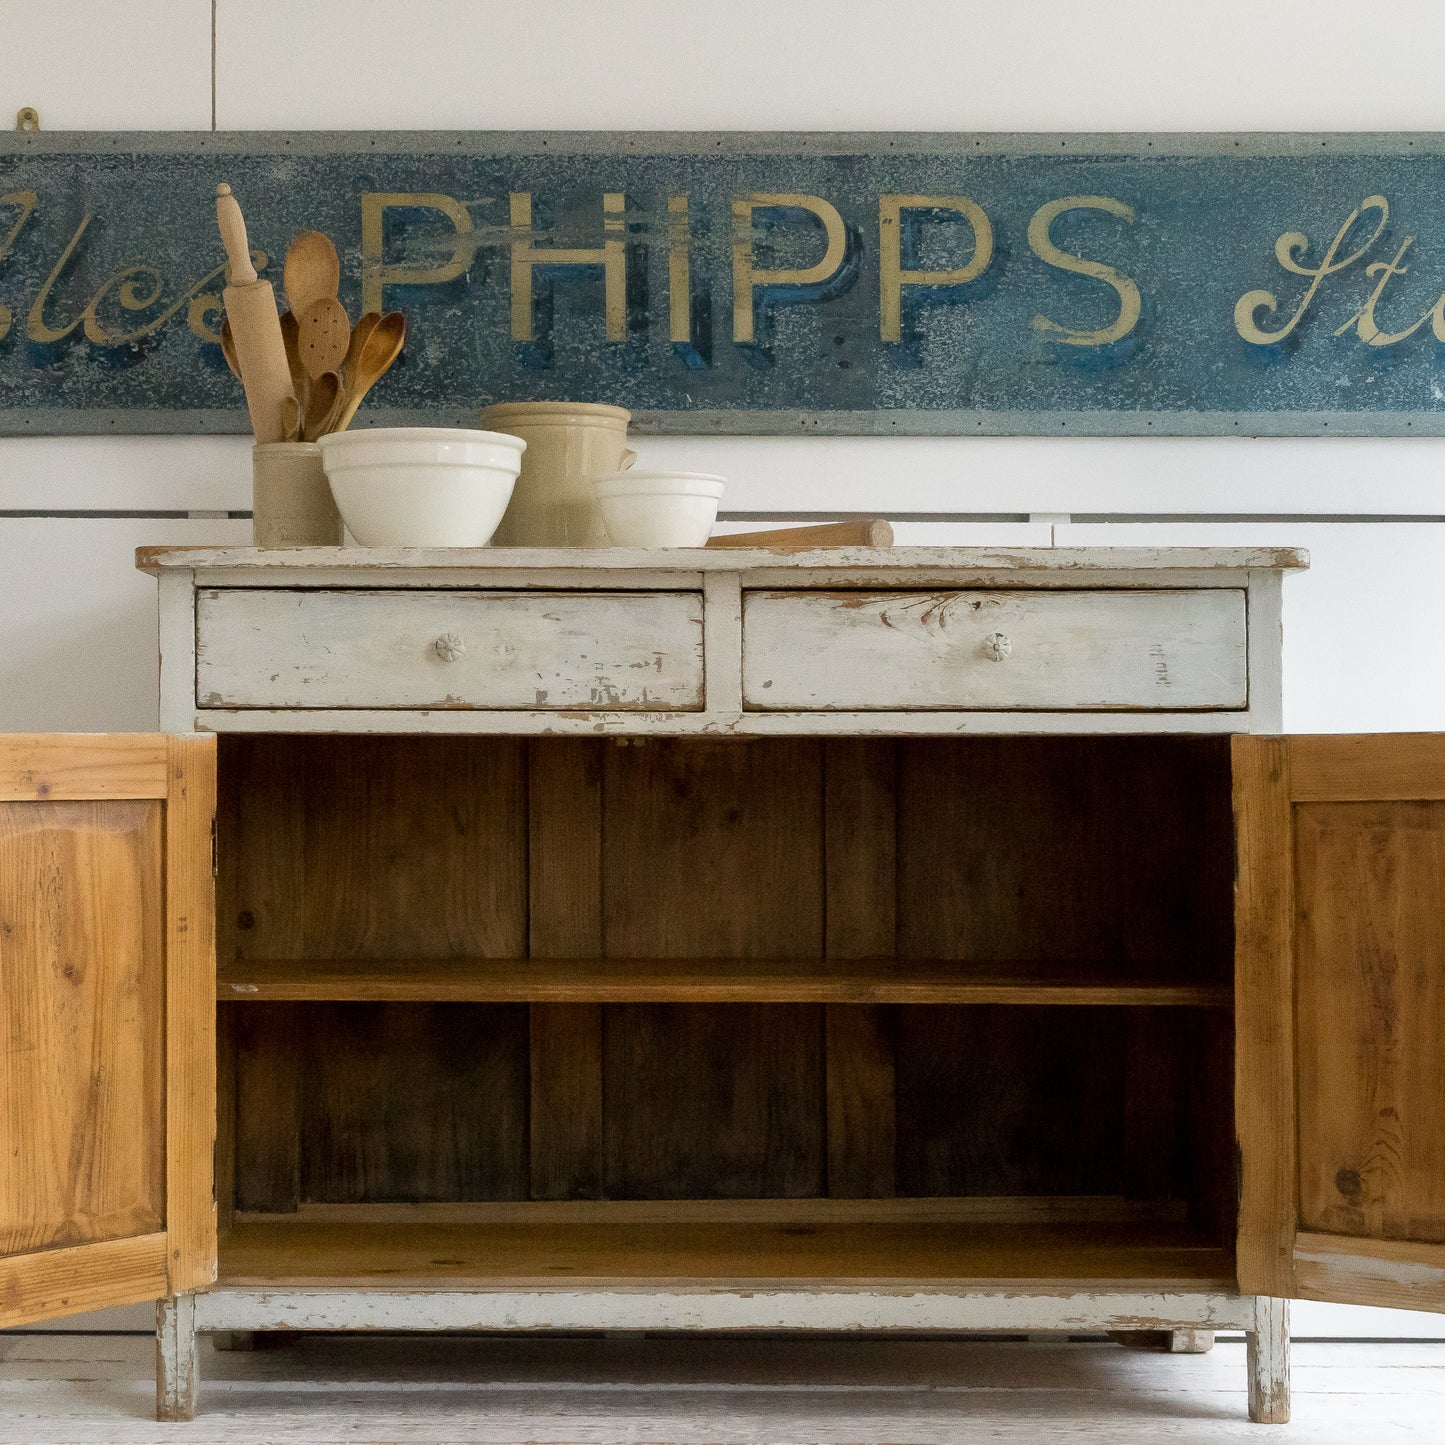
{"type": "Point", "coordinates": [190, 1014]}
{"type": "Point", "coordinates": [1264, 1073]}
{"type": "Point", "coordinates": [1390, 1274]}
{"type": "Point", "coordinates": [722, 648]}
{"type": "Point", "coordinates": [176, 642]}
{"type": "Point", "coordinates": [1264, 650]}
{"type": "Point", "coordinates": [824, 1307]}
{"type": "Point", "coordinates": [1267, 1361]}
{"type": "Point", "coordinates": [578, 723]}
{"type": "Point", "coordinates": [589, 562]}
{"type": "Point", "coordinates": [50, 1283]}
{"type": "Point", "coordinates": [67, 767]}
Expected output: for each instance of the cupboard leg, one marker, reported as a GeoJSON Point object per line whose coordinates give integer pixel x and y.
{"type": "Point", "coordinates": [1267, 1346]}
{"type": "Point", "coordinates": [177, 1371]}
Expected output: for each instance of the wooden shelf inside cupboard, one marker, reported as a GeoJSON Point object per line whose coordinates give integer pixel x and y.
{"type": "Point", "coordinates": [520, 1254]}
{"type": "Point", "coordinates": [671, 980]}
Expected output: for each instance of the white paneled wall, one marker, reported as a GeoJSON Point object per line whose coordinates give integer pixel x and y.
{"type": "Point", "coordinates": [1361, 629]}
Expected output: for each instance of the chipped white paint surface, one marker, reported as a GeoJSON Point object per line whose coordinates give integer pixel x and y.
{"type": "Point", "coordinates": [177, 1369]}
{"type": "Point", "coordinates": [1008, 650]}
{"type": "Point", "coordinates": [621, 1389]}
{"type": "Point", "coordinates": [409, 649]}
{"type": "Point", "coordinates": [692, 642]}
{"type": "Point", "coordinates": [1268, 1362]}
{"type": "Point", "coordinates": [1037, 1310]}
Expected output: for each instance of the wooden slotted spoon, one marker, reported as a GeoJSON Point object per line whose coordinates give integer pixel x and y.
{"type": "Point", "coordinates": [323, 333]}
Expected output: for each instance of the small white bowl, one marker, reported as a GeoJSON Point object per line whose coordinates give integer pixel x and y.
{"type": "Point", "coordinates": [422, 486]}
{"type": "Point", "coordinates": [658, 509]}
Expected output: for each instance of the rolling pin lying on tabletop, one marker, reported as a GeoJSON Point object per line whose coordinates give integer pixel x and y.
{"type": "Point", "coordinates": [255, 327]}
{"type": "Point", "coordinates": [874, 533]}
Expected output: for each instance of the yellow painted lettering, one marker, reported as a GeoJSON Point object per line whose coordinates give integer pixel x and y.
{"type": "Point", "coordinates": [893, 276]}
{"type": "Point", "coordinates": [1042, 244]}
{"type": "Point", "coordinates": [747, 277]}
{"type": "Point", "coordinates": [611, 256]}
{"type": "Point", "coordinates": [377, 274]}
{"type": "Point", "coordinates": [1289, 251]}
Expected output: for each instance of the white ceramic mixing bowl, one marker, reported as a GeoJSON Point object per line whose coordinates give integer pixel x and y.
{"type": "Point", "coordinates": [658, 509]}
{"type": "Point", "coordinates": [424, 486]}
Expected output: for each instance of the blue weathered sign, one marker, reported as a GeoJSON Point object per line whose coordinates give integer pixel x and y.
{"type": "Point", "coordinates": [959, 284]}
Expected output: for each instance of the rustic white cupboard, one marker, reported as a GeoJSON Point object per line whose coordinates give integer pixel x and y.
{"type": "Point", "coordinates": [913, 939]}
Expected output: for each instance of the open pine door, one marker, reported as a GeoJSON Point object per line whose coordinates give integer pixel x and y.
{"type": "Point", "coordinates": [1340, 1017]}
{"type": "Point", "coordinates": [107, 1021]}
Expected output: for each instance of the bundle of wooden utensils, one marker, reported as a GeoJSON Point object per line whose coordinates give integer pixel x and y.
{"type": "Point", "coordinates": [304, 372]}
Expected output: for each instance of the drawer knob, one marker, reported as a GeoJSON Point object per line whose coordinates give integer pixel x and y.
{"type": "Point", "coordinates": [449, 646]}
{"type": "Point", "coordinates": [996, 646]}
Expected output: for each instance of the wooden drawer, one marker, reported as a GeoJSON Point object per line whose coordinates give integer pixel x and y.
{"type": "Point", "coordinates": [630, 651]}
{"type": "Point", "coordinates": [994, 651]}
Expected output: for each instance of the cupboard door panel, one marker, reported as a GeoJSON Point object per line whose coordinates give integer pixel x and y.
{"type": "Point", "coordinates": [81, 972]}
{"type": "Point", "coordinates": [106, 1035]}
{"type": "Point", "coordinates": [1341, 999]}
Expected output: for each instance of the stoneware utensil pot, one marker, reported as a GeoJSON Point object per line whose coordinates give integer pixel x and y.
{"type": "Point", "coordinates": [658, 509]}
{"type": "Point", "coordinates": [421, 486]}
{"type": "Point", "coordinates": [291, 500]}
{"type": "Point", "coordinates": [568, 443]}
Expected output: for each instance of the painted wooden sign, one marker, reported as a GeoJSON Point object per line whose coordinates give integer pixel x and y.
{"type": "Point", "coordinates": [957, 284]}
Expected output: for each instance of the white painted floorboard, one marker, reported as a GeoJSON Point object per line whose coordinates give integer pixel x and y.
{"type": "Point", "coordinates": [79, 1389]}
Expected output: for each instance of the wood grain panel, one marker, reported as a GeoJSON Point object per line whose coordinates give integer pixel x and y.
{"type": "Point", "coordinates": [710, 1101]}
{"type": "Point", "coordinates": [56, 766]}
{"type": "Point", "coordinates": [1089, 849]}
{"type": "Point", "coordinates": [1366, 767]}
{"type": "Point", "coordinates": [82, 1041]}
{"type": "Point", "coordinates": [1009, 1101]}
{"type": "Point", "coordinates": [862, 1122]}
{"type": "Point", "coordinates": [190, 1002]}
{"type": "Point", "coordinates": [68, 1281]}
{"type": "Point", "coordinates": [713, 850]}
{"type": "Point", "coordinates": [267, 1116]}
{"type": "Point", "coordinates": [1385, 1273]}
{"type": "Point", "coordinates": [545, 1256]}
{"type": "Point", "coordinates": [356, 847]}
{"type": "Point", "coordinates": [414, 1102]}
{"type": "Point", "coordinates": [1264, 1079]}
{"type": "Point", "coordinates": [714, 980]}
{"type": "Point", "coordinates": [1370, 1020]}
{"type": "Point", "coordinates": [564, 801]}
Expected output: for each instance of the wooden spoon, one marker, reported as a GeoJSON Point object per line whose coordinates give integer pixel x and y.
{"type": "Point", "coordinates": [291, 419]}
{"type": "Point", "coordinates": [291, 337]}
{"type": "Point", "coordinates": [380, 349]}
{"type": "Point", "coordinates": [322, 336]}
{"type": "Point", "coordinates": [321, 403]}
{"type": "Point", "coordinates": [312, 271]}
{"type": "Point", "coordinates": [365, 325]}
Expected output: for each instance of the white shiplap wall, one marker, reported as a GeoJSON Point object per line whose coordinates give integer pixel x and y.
{"type": "Point", "coordinates": [1361, 652]}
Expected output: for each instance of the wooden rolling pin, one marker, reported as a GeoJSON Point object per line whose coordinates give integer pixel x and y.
{"type": "Point", "coordinates": [255, 327]}
{"type": "Point", "coordinates": [874, 533]}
